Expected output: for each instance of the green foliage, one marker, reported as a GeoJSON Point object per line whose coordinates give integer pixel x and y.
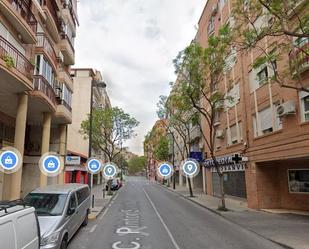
{"type": "Point", "coordinates": [110, 129]}
{"type": "Point", "coordinates": [120, 161]}
{"type": "Point", "coordinates": [137, 164]}
{"type": "Point", "coordinates": [9, 61]}
{"type": "Point", "coordinates": [161, 150]}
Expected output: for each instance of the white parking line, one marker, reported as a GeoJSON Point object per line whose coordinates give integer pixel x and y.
{"type": "Point", "coordinates": [93, 228]}
{"type": "Point", "coordinates": [103, 214]}
{"type": "Point", "coordinates": [162, 221]}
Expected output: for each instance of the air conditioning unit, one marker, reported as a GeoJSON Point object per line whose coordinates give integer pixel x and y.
{"type": "Point", "coordinates": [58, 89]}
{"type": "Point", "coordinates": [220, 134]}
{"type": "Point", "coordinates": [287, 108]}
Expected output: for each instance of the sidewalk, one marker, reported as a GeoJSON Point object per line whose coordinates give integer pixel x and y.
{"type": "Point", "coordinates": [289, 230]}
{"type": "Point", "coordinates": [99, 202]}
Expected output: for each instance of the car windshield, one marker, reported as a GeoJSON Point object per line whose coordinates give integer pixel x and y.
{"type": "Point", "coordinates": [46, 204]}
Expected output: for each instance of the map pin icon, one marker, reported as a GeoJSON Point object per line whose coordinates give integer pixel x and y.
{"type": "Point", "coordinates": [190, 167]}
{"type": "Point", "coordinates": [109, 170]}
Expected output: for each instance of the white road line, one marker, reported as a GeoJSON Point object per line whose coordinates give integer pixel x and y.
{"type": "Point", "coordinates": [103, 214]}
{"type": "Point", "coordinates": [162, 221]}
{"type": "Point", "coordinates": [93, 228]}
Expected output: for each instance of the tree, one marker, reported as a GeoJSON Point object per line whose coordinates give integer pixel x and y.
{"type": "Point", "coordinates": [161, 149]}
{"type": "Point", "coordinates": [121, 162]}
{"type": "Point", "coordinates": [199, 71]}
{"type": "Point", "coordinates": [137, 164]}
{"type": "Point", "coordinates": [279, 31]}
{"type": "Point", "coordinates": [110, 129]}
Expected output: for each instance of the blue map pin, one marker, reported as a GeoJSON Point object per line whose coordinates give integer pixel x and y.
{"type": "Point", "coordinates": [110, 171]}
{"type": "Point", "coordinates": [190, 168]}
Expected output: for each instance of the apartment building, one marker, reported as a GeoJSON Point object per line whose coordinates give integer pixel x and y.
{"type": "Point", "coordinates": [85, 84]}
{"type": "Point", "coordinates": [150, 144]}
{"type": "Point", "coordinates": [266, 123]}
{"type": "Point", "coordinates": [36, 52]}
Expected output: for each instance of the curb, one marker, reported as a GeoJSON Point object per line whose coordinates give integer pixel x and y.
{"type": "Point", "coordinates": [226, 218]}
{"type": "Point", "coordinates": [92, 216]}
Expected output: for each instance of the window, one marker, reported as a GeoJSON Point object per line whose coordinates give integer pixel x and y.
{"type": "Point", "coordinates": [67, 95]}
{"type": "Point", "coordinates": [232, 97]}
{"type": "Point", "coordinates": [298, 180]}
{"type": "Point", "coordinates": [42, 67]}
{"type": "Point", "coordinates": [72, 203]}
{"type": "Point", "coordinates": [82, 195]}
{"type": "Point", "coordinates": [217, 143]}
{"type": "Point", "coordinates": [304, 104]}
{"type": "Point", "coordinates": [230, 59]}
{"type": "Point", "coordinates": [234, 134]}
{"type": "Point", "coordinates": [211, 25]}
{"type": "Point", "coordinates": [262, 76]}
{"type": "Point", "coordinates": [264, 123]}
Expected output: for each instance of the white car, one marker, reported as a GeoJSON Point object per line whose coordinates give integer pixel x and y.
{"type": "Point", "coordinates": [19, 227]}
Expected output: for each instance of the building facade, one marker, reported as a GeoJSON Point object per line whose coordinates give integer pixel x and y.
{"type": "Point", "coordinates": [77, 146]}
{"type": "Point", "coordinates": [36, 52]}
{"type": "Point", "coordinates": [266, 123]}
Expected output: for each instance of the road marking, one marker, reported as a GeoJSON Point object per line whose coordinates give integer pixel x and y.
{"type": "Point", "coordinates": [93, 228]}
{"type": "Point", "coordinates": [162, 221]}
{"type": "Point", "coordinates": [104, 213]}
{"type": "Point", "coordinates": [116, 244]}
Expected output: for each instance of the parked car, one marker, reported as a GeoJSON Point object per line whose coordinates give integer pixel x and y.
{"type": "Point", "coordinates": [61, 210]}
{"type": "Point", "coordinates": [115, 184]}
{"type": "Point", "coordinates": [19, 227]}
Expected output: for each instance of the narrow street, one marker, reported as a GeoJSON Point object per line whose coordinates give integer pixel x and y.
{"type": "Point", "coordinates": [147, 216]}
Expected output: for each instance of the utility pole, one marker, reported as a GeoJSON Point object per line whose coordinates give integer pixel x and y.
{"type": "Point", "coordinates": [173, 162]}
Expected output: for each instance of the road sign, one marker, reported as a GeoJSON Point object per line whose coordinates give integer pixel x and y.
{"type": "Point", "coordinates": [72, 160]}
{"type": "Point", "coordinates": [190, 168]}
{"type": "Point", "coordinates": [51, 164]}
{"type": "Point", "coordinates": [9, 160]}
{"type": "Point", "coordinates": [165, 170]}
{"type": "Point", "coordinates": [110, 171]}
{"type": "Point", "coordinates": [197, 155]}
{"type": "Point", "coordinates": [94, 165]}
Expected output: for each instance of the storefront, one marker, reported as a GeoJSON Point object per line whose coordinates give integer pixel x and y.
{"type": "Point", "coordinates": [234, 180]}
{"type": "Point", "coordinates": [75, 170]}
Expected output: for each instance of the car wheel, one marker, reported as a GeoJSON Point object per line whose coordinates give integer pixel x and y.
{"type": "Point", "coordinates": [85, 222]}
{"type": "Point", "coordinates": [64, 244]}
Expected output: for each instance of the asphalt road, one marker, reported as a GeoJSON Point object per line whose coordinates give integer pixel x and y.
{"type": "Point", "coordinates": [145, 215]}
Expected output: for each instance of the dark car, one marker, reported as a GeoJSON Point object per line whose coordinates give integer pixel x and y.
{"type": "Point", "coordinates": [115, 184]}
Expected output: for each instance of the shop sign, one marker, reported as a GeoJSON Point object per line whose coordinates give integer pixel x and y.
{"type": "Point", "coordinates": [72, 160]}
{"type": "Point", "coordinates": [231, 168]}
{"type": "Point", "coordinates": [221, 161]}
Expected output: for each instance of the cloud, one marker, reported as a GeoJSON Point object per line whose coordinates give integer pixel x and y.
{"type": "Point", "coordinates": [133, 43]}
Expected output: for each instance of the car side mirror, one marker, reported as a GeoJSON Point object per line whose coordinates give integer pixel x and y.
{"type": "Point", "coordinates": [70, 211]}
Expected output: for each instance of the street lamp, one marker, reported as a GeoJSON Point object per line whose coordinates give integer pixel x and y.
{"type": "Point", "coordinates": [99, 84]}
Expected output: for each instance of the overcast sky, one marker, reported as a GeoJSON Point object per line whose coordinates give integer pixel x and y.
{"type": "Point", "coordinates": [133, 43]}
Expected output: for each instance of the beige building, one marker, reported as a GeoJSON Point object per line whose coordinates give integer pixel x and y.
{"type": "Point", "coordinates": [36, 52]}
{"type": "Point", "coordinates": [85, 81]}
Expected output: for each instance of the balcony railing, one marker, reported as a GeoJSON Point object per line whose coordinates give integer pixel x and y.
{"type": "Point", "coordinates": [299, 58]}
{"type": "Point", "coordinates": [66, 37]}
{"type": "Point", "coordinates": [42, 85]}
{"type": "Point", "coordinates": [65, 104]}
{"type": "Point", "coordinates": [52, 7]}
{"type": "Point", "coordinates": [23, 7]}
{"type": "Point", "coordinates": [15, 58]}
{"type": "Point", "coordinates": [44, 43]}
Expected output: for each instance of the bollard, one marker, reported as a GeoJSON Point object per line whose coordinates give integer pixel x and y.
{"type": "Point", "coordinates": [103, 193]}
{"type": "Point", "coordinates": [92, 201]}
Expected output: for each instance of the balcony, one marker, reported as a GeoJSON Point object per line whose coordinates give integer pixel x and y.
{"type": "Point", "coordinates": [14, 59]}
{"type": "Point", "coordinates": [18, 13]}
{"type": "Point", "coordinates": [67, 49]}
{"type": "Point", "coordinates": [299, 59]}
{"type": "Point", "coordinates": [50, 8]}
{"type": "Point", "coordinates": [43, 89]}
{"type": "Point", "coordinates": [44, 45]}
{"type": "Point", "coordinates": [63, 113]}
{"type": "Point", "coordinates": [64, 76]}
{"type": "Point", "coordinates": [69, 12]}
{"type": "Point", "coordinates": [195, 133]}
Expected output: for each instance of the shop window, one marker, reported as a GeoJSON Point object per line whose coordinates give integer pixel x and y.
{"type": "Point", "coordinates": [298, 180]}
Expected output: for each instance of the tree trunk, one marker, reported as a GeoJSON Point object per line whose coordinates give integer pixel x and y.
{"type": "Point", "coordinates": [190, 187]}
{"type": "Point", "coordinates": [223, 206]}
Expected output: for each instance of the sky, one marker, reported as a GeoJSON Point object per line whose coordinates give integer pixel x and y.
{"type": "Point", "coordinates": [133, 43]}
